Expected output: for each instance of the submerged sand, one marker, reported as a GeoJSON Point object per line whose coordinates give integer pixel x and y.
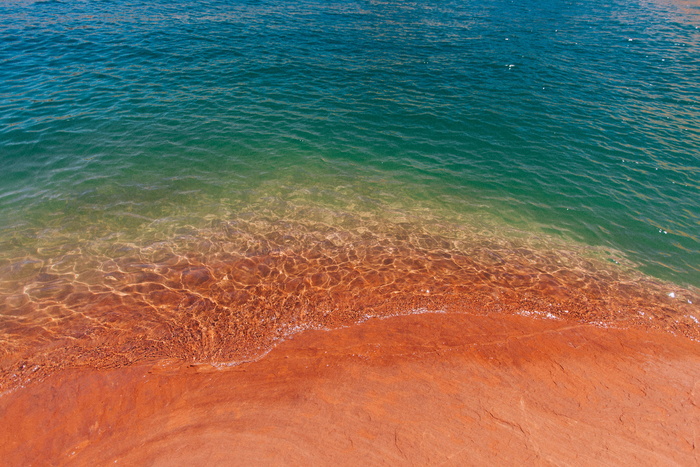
{"type": "Point", "coordinates": [424, 389]}
{"type": "Point", "coordinates": [230, 294]}
{"type": "Point", "coordinates": [540, 354]}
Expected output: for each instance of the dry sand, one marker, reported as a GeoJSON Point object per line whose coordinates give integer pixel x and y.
{"type": "Point", "coordinates": [427, 389]}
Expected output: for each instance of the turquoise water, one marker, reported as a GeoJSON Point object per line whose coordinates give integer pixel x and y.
{"type": "Point", "coordinates": [129, 126]}
{"type": "Point", "coordinates": [577, 118]}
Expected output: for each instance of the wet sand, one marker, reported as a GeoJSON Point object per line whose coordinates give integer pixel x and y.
{"type": "Point", "coordinates": [230, 295]}
{"type": "Point", "coordinates": [425, 389]}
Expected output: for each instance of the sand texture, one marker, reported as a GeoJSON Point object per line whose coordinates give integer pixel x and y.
{"type": "Point", "coordinates": [426, 389]}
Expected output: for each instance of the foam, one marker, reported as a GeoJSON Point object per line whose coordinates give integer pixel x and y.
{"type": "Point", "coordinates": [227, 293]}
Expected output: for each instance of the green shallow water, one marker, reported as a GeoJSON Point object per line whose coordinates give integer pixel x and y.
{"type": "Point", "coordinates": [198, 179]}
{"type": "Point", "coordinates": [575, 119]}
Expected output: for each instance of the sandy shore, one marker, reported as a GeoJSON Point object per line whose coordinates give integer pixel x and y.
{"type": "Point", "coordinates": [430, 389]}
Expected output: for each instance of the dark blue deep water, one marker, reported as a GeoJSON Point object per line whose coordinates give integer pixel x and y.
{"type": "Point", "coordinates": [138, 137]}
{"type": "Point", "coordinates": [576, 118]}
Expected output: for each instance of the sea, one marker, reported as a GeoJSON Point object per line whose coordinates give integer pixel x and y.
{"type": "Point", "coordinates": [196, 180]}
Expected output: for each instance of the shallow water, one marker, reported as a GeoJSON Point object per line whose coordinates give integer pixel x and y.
{"type": "Point", "coordinates": [197, 179]}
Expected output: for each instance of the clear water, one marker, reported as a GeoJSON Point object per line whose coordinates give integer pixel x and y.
{"type": "Point", "coordinates": [131, 127]}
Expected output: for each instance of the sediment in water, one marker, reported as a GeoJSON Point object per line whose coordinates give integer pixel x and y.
{"type": "Point", "coordinates": [135, 351]}
{"type": "Point", "coordinates": [225, 294]}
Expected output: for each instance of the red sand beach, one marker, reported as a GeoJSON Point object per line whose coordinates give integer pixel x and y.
{"type": "Point", "coordinates": [425, 389]}
{"type": "Point", "coordinates": [538, 356]}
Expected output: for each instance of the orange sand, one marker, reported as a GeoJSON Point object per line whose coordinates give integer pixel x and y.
{"type": "Point", "coordinates": [430, 389]}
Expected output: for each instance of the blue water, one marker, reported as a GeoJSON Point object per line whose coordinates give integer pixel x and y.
{"type": "Point", "coordinates": [579, 118]}
{"type": "Point", "coordinates": [136, 136]}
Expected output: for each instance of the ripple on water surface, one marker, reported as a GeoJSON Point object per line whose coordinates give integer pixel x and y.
{"type": "Point", "coordinates": [227, 292]}
{"type": "Point", "coordinates": [197, 180]}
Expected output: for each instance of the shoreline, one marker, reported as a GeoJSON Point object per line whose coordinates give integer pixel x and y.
{"type": "Point", "coordinates": [235, 303]}
{"type": "Point", "coordinates": [431, 388]}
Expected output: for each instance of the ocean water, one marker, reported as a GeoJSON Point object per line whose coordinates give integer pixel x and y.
{"type": "Point", "coordinates": [197, 179]}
